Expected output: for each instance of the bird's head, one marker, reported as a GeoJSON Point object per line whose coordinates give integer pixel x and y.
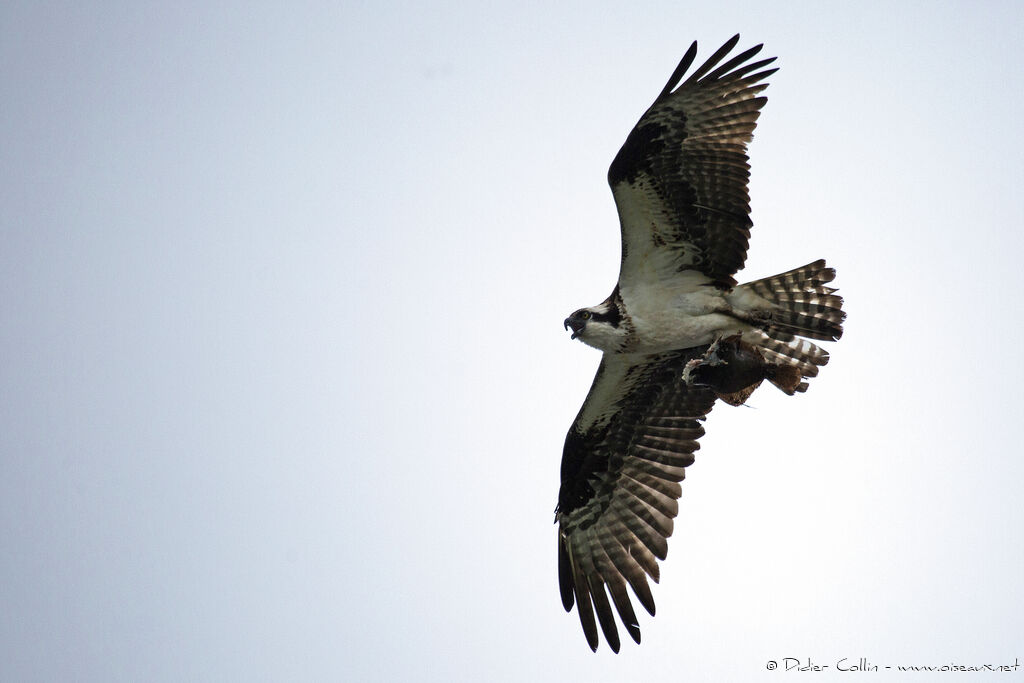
{"type": "Point", "coordinates": [578, 321]}
{"type": "Point", "coordinates": [598, 326]}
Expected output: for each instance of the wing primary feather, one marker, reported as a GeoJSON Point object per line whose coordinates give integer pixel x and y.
{"type": "Point", "coordinates": [583, 604]}
{"type": "Point", "coordinates": [604, 609]}
{"type": "Point", "coordinates": [753, 66]}
{"type": "Point", "coordinates": [588, 562]}
{"type": "Point", "coordinates": [616, 585]}
{"type": "Point", "coordinates": [677, 75]}
{"type": "Point", "coordinates": [565, 575]}
{"type": "Point", "coordinates": [634, 573]}
{"type": "Point", "coordinates": [753, 79]}
{"type": "Point", "coordinates": [642, 591]}
{"type": "Point", "coordinates": [713, 59]}
{"type": "Point", "coordinates": [735, 61]}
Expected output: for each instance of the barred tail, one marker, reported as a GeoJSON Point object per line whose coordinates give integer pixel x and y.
{"type": "Point", "coordinates": [802, 306]}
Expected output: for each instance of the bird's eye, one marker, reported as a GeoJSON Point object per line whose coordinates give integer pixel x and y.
{"type": "Point", "coordinates": [585, 315]}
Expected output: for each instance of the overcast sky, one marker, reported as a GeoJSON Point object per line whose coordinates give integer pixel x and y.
{"type": "Point", "coordinates": [283, 378]}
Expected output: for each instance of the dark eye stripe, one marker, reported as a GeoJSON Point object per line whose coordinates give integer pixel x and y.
{"type": "Point", "coordinates": [612, 317]}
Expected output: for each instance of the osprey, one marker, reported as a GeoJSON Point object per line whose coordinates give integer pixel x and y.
{"type": "Point", "coordinates": [677, 333]}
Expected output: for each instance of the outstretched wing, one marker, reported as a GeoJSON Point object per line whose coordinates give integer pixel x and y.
{"type": "Point", "coordinates": [680, 179]}
{"type": "Point", "coordinates": [621, 467]}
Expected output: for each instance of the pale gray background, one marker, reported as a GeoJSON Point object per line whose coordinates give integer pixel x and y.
{"type": "Point", "coordinates": [283, 380]}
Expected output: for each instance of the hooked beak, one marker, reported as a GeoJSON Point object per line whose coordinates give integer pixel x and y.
{"type": "Point", "coordinates": [576, 324]}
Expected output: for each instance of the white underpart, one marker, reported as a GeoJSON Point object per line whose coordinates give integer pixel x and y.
{"type": "Point", "coordinates": [683, 312]}
{"type": "Point", "coordinates": [670, 307]}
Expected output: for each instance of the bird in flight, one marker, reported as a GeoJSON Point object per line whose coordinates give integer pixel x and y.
{"type": "Point", "coordinates": [678, 333]}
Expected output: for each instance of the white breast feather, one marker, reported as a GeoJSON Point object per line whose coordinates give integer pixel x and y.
{"type": "Point", "coordinates": [677, 313]}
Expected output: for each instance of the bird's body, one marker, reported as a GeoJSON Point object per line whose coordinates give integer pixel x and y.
{"type": "Point", "coordinates": [664, 314]}
{"type": "Point", "coordinates": [677, 333]}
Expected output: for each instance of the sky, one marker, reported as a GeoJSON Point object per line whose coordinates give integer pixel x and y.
{"type": "Point", "coordinates": [284, 382]}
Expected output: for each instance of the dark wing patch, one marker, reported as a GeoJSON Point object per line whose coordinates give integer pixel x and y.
{"type": "Point", "coordinates": [680, 179]}
{"type": "Point", "coordinates": [646, 142]}
{"type": "Point", "coordinates": [621, 467]}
